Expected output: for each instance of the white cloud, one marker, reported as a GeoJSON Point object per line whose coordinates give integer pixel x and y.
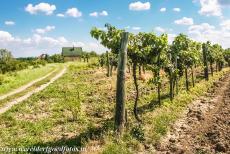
{"type": "Point", "coordinates": [104, 13]}
{"type": "Point", "coordinates": [204, 27]}
{"type": "Point", "coordinates": [159, 29]}
{"type": "Point", "coordinates": [60, 15]}
{"type": "Point", "coordinates": [225, 24]}
{"type": "Point", "coordinates": [102, 28]}
{"type": "Point", "coordinates": [41, 7]}
{"type": "Point", "coordinates": [136, 28]}
{"type": "Point", "coordinates": [210, 8]}
{"type": "Point", "coordinates": [5, 36]}
{"type": "Point", "coordinates": [78, 44]}
{"type": "Point", "coordinates": [44, 30]}
{"type": "Point", "coordinates": [171, 38]}
{"type": "Point", "coordinates": [184, 21]}
{"type": "Point", "coordinates": [163, 9]}
{"type": "Point", "coordinates": [139, 6]}
{"type": "Point", "coordinates": [176, 9]}
{"type": "Point", "coordinates": [96, 14]}
{"type": "Point", "coordinates": [73, 12]}
{"type": "Point", "coordinates": [9, 23]}
{"type": "Point", "coordinates": [206, 32]}
{"type": "Point", "coordinates": [38, 44]}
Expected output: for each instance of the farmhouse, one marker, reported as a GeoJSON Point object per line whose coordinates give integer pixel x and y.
{"type": "Point", "coordinates": [72, 53]}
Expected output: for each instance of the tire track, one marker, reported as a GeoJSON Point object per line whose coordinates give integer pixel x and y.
{"type": "Point", "coordinates": [22, 88]}
{"type": "Point", "coordinates": [26, 96]}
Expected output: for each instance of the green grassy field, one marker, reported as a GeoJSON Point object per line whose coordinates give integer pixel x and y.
{"type": "Point", "coordinates": [34, 86]}
{"type": "Point", "coordinates": [14, 80]}
{"type": "Point", "coordinates": [77, 110]}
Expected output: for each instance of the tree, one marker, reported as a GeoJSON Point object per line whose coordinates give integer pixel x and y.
{"type": "Point", "coordinates": [113, 62]}
{"type": "Point", "coordinates": [189, 57]}
{"type": "Point", "coordinates": [227, 56]}
{"type": "Point", "coordinates": [211, 56]}
{"type": "Point", "coordinates": [5, 55]}
{"type": "Point", "coordinates": [136, 55]}
{"type": "Point", "coordinates": [93, 54]}
{"type": "Point", "coordinates": [180, 44]}
{"type": "Point", "coordinates": [195, 55]}
{"type": "Point", "coordinates": [152, 51]}
{"type": "Point", "coordinates": [155, 50]}
{"type": "Point", "coordinates": [110, 39]}
{"type": "Point", "coordinates": [219, 56]}
{"type": "Point", "coordinates": [57, 58]}
{"type": "Point", "coordinates": [170, 70]}
{"type": "Point", "coordinates": [87, 57]}
{"type": "Point", "coordinates": [6, 60]}
{"type": "Point", "coordinates": [102, 60]}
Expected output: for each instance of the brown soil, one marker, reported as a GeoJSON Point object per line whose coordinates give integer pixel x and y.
{"type": "Point", "coordinates": [204, 126]}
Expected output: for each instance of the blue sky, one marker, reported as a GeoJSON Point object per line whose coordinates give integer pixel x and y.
{"type": "Point", "coordinates": [32, 27]}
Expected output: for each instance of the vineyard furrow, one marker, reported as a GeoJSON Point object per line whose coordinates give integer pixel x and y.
{"type": "Point", "coordinates": [205, 126]}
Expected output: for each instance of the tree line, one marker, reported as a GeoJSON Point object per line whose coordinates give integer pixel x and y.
{"type": "Point", "coordinates": [10, 64]}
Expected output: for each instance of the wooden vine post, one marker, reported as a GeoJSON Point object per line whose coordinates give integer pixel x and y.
{"type": "Point", "coordinates": [204, 49]}
{"type": "Point", "coordinates": [121, 89]}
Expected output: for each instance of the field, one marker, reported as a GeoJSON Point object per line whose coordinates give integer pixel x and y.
{"type": "Point", "coordinates": [16, 79]}
{"type": "Point", "coordinates": [77, 111]}
{"type": "Point", "coordinates": [114, 77]}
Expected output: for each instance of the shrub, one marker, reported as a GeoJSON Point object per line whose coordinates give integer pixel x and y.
{"type": "Point", "coordinates": [1, 79]}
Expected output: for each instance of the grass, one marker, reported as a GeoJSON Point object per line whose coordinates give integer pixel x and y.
{"type": "Point", "coordinates": [34, 86]}
{"type": "Point", "coordinates": [14, 80]}
{"type": "Point", "coordinates": [157, 119]}
{"type": "Point", "coordinates": [48, 109]}
{"type": "Point", "coordinates": [158, 125]}
{"type": "Point", "coordinates": [78, 110]}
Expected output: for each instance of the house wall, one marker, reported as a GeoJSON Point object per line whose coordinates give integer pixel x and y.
{"type": "Point", "coordinates": [72, 58]}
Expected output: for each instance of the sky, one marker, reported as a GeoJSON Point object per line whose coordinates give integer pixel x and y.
{"type": "Point", "coordinates": [33, 27]}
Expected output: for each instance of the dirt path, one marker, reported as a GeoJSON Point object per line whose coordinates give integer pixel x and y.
{"type": "Point", "coordinates": [22, 98]}
{"type": "Point", "coordinates": [204, 126]}
{"type": "Point", "coordinates": [20, 89]}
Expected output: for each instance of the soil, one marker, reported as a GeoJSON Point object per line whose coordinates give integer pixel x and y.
{"type": "Point", "coordinates": [204, 127]}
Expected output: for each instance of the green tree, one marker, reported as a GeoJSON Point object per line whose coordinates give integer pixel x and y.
{"type": "Point", "coordinates": [170, 70]}
{"type": "Point", "coordinates": [179, 45]}
{"type": "Point", "coordinates": [110, 38]}
{"type": "Point", "coordinates": [196, 54]}
{"type": "Point", "coordinates": [155, 49]}
{"type": "Point", "coordinates": [227, 56]}
{"type": "Point", "coordinates": [137, 55]}
{"type": "Point", "coordinates": [189, 57]}
{"type": "Point", "coordinates": [219, 56]}
{"type": "Point", "coordinates": [57, 58]}
{"type": "Point", "coordinates": [6, 60]}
